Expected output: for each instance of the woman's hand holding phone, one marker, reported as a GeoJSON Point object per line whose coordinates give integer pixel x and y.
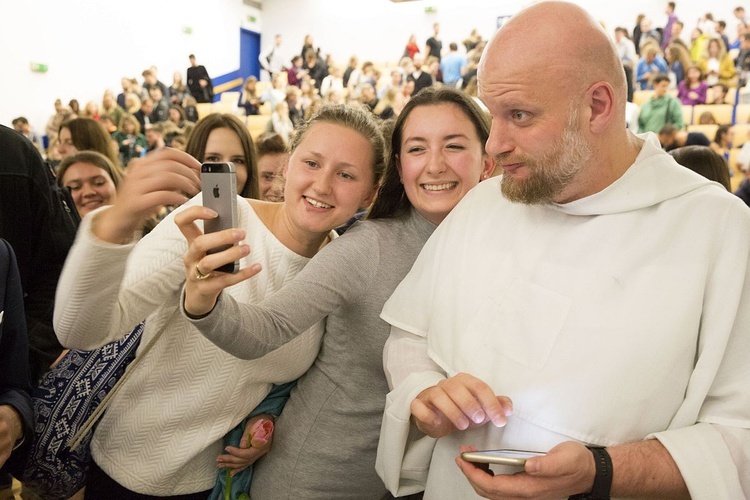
{"type": "Point", "coordinates": [202, 283]}
{"type": "Point", "coordinates": [165, 177]}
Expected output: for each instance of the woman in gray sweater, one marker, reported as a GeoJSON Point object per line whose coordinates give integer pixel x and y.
{"type": "Point", "coordinates": [326, 439]}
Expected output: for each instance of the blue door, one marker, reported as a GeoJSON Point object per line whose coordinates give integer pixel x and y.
{"type": "Point", "coordinates": [249, 52]}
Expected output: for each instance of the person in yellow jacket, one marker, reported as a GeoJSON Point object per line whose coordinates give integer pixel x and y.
{"type": "Point", "coordinates": [717, 65]}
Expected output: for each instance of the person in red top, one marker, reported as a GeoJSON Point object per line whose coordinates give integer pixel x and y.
{"type": "Point", "coordinates": [411, 47]}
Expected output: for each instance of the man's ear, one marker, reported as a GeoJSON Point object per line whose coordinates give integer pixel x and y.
{"type": "Point", "coordinates": [601, 101]}
{"type": "Point", "coordinates": [488, 166]}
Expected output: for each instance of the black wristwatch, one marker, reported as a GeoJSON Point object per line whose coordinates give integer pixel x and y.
{"type": "Point", "coordinates": [603, 478]}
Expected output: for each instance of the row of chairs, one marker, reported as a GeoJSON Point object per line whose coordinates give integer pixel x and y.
{"type": "Point", "coordinates": [641, 96]}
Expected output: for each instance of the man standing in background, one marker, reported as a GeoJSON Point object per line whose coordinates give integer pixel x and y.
{"type": "Point", "coordinates": [453, 66]}
{"type": "Point", "coordinates": [671, 19]}
{"type": "Point", "coordinates": [273, 60]}
{"type": "Point", "coordinates": [199, 82]}
{"type": "Point", "coordinates": [434, 45]}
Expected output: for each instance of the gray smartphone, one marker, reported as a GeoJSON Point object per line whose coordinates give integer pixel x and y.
{"type": "Point", "coordinates": [503, 457]}
{"type": "Point", "coordinates": [219, 187]}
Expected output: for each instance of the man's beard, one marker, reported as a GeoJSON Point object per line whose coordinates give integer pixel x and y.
{"type": "Point", "coordinates": [551, 173]}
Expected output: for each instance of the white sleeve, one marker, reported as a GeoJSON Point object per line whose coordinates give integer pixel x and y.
{"type": "Point", "coordinates": [404, 453]}
{"type": "Point", "coordinates": [744, 158]}
{"type": "Point", "coordinates": [263, 59]}
{"type": "Point", "coordinates": [105, 289]}
{"type": "Point", "coordinates": [713, 454]}
{"type": "Point", "coordinates": [714, 460]}
{"type": "Point", "coordinates": [325, 86]}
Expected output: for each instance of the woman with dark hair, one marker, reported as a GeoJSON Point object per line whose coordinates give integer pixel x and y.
{"type": "Point", "coordinates": [704, 161]}
{"type": "Point", "coordinates": [223, 137]}
{"type": "Point", "coordinates": [693, 89]}
{"type": "Point", "coordinates": [86, 134]}
{"type": "Point", "coordinates": [327, 435]}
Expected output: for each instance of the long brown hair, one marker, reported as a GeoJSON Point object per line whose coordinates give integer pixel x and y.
{"type": "Point", "coordinates": [88, 135]}
{"type": "Point", "coordinates": [196, 146]}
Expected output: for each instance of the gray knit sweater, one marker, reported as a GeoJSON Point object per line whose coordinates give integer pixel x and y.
{"type": "Point", "coordinates": [326, 439]}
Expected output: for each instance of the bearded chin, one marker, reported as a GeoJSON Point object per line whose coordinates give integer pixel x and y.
{"type": "Point", "coordinates": [550, 174]}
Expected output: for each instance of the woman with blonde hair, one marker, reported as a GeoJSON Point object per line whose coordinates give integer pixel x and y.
{"type": "Point", "coordinates": [717, 65]}
{"type": "Point", "coordinates": [131, 143]}
{"type": "Point", "coordinates": [384, 109]}
{"type": "Point", "coordinates": [649, 65]}
{"type": "Point", "coordinates": [163, 429]}
{"type": "Point", "coordinates": [249, 99]}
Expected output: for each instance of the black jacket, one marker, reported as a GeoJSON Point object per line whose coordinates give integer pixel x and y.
{"type": "Point", "coordinates": [41, 229]}
{"type": "Point", "coordinates": [15, 381]}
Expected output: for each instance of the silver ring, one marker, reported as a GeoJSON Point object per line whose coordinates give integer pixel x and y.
{"type": "Point", "coordinates": [199, 275]}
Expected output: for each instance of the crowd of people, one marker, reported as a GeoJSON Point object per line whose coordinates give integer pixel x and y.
{"type": "Point", "coordinates": [706, 68]}
{"type": "Point", "coordinates": [458, 254]}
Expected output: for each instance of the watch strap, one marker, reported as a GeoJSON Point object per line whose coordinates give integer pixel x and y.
{"type": "Point", "coordinates": [602, 479]}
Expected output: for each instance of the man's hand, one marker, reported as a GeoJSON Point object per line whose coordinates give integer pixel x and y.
{"type": "Point", "coordinates": [11, 430]}
{"type": "Point", "coordinates": [457, 403]}
{"type": "Point", "coordinates": [566, 470]}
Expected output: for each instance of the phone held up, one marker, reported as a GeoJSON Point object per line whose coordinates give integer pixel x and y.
{"type": "Point", "coordinates": [219, 188]}
{"type": "Point", "coordinates": [515, 458]}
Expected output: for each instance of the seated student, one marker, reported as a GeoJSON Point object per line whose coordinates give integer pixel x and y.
{"type": "Point", "coordinates": [693, 89]}
{"type": "Point", "coordinates": [718, 94]}
{"type": "Point", "coordinates": [661, 109]}
{"type": "Point", "coordinates": [249, 99]}
{"type": "Point", "coordinates": [131, 143]}
{"type": "Point", "coordinates": [707, 118]}
{"type": "Point", "coordinates": [717, 65]}
{"type": "Point", "coordinates": [327, 435]}
{"type": "Point", "coordinates": [281, 123]}
{"type": "Point", "coordinates": [186, 394]}
{"type": "Point", "coordinates": [743, 159]}
{"type": "Point", "coordinates": [671, 138]}
{"type": "Point", "coordinates": [273, 155]}
{"type": "Point", "coordinates": [705, 161]}
{"type": "Point", "coordinates": [722, 143]}
{"type": "Point", "coordinates": [649, 65]}
{"type": "Point", "coordinates": [743, 191]}
{"type": "Point", "coordinates": [85, 134]}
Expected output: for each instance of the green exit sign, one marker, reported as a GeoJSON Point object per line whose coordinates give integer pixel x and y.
{"type": "Point", "coordinates": [252, 19]}
{"type": "Point", "coordinates": [430, 9]}
{"type": "Point", "coordinates": [39, 67]}
{"type": "Point", "coordinates": [187, 30]}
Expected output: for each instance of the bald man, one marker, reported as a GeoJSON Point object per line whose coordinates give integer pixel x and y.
{"type": "Point", "coordinates": [590, 303]}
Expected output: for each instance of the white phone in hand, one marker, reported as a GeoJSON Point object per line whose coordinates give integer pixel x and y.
{"type": "Point", "coordinates": [503, 457]}
{"type": "Point", "coordinates": [219, 188]}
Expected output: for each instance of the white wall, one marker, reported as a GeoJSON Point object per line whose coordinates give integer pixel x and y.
{"type": "Point", "coordinates": [378, 29]}
{"type": "Point", "coordinates": [90, 45]}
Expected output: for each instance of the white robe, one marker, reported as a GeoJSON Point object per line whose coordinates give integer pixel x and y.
{"type": "Point", "coordinates": [609, 319]}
